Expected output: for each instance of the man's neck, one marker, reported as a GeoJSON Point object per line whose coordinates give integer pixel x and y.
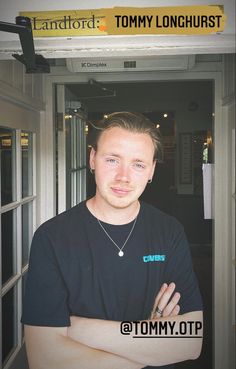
{"type": "Point", "coordinates": [112, 215]}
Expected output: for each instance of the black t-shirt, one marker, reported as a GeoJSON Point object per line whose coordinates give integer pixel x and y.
{"type": "Point", "coordinates": [75, 269]}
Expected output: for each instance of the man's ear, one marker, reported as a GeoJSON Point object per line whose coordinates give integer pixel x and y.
{"type": "Point", "coordinates": [92, 158]}
{"type": "Point", "coordinates": [154, 166]}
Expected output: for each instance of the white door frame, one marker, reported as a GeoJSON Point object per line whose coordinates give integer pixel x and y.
{"type": "Point", "coordinates": [222, 293]}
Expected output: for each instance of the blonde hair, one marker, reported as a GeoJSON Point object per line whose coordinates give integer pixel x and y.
{"type": "Point", "coordinates": [133, 122]}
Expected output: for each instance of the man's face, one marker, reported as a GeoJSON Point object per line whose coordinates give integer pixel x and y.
{"type": "Point", "coordinates": [123, 164]}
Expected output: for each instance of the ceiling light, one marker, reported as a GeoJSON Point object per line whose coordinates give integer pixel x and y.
{"type": "Point", "coordinates": [165, 115]}
{"type": "Point", "coordinates": [68, 116]}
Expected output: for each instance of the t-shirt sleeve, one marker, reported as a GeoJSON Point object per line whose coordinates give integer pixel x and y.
{"type": "Point", "coordinates": [179, 270]}
{"type": "Point", "coordinates": [45, 300]}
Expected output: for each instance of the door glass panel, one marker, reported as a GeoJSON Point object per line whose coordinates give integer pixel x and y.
{"type": "Point", "coordinates": [8, 323]}
{"type": "Point", "coordinates": [8, 245]}
{"type": "Point", "coordinates": [27, 164]}
{"type": "Point", "coordinates": [7, 155]}
{"type": "Point", "coordinates": [24, 279]}
{"type": "Point", "coordinates": [26, 231]}
{"type": "Point", "coordinates": [75, 161]}
{"type": "Point", "coordinates": [69, 164]}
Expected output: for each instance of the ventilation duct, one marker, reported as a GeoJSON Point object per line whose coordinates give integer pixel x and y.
{"type": "Point", "coordinates": [159, 63]}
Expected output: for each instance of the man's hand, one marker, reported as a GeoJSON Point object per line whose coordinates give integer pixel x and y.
{"type": "Point", "coordinates": [166, 302]}
{"type": "Point", "coordinates": [143, 352]}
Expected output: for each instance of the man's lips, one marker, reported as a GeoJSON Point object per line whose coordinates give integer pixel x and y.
{"type": "Point", "coordinates": [120, 191]}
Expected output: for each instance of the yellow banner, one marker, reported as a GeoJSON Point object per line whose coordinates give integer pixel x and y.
{"type": "Point", "coordinates": [67, 23]}
{"type": "Point", "coordinates": [178, 20]}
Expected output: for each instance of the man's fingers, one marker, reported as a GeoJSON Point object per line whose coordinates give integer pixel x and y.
{"type": "Point", "coordinates": [160, 294]}
{"type": "Point", "coordinates": [163, 301]}
{"type": "Point", "coordinates": [171, 305]}
{"type": "Point", "coordinates": [166, 302]}
{"type": "Point", "coordinates": [157, 299]}
{"type": "Point", "coordinates": [175, 311]}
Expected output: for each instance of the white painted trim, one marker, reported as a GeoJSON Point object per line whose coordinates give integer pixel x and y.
{"type": "Point", "coordinates": [10, 284]}
{"type": "Point", "coordinates": [12, 357]}
{"type": "Point", "coordinates": [18, 238]}
{"type": "Point", "coordinates": [0, 272]}
{"type": "Point", "coordinates": [34, 203]}
{"type": "Point", "coordinates": [221, 238]}
{"type": "Point", "coordinates": [15, 204]}
{"type": "Point", "coordinates": [61, 151]}
{"type": "Point", "coordinates": [229, 100]}
{"type": "Point", "coordinates": [46, 154]}
{"type": "Point", "coordinates": [136, 45]}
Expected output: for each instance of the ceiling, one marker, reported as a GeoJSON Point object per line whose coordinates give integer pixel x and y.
{"type": "Point", "coordinates": [140, 96]}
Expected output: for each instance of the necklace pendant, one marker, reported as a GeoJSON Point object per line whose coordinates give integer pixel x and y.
{"type": "Point", "coordinates": [120, 253]}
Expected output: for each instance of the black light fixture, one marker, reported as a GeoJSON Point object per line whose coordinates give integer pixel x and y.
{"type": "Point", "coordinates": [34, 63]}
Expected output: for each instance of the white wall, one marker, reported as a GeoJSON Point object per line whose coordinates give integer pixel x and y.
{"type": "Point", "coordinates": [23, 86]}
{"type": "Point", "coordinates": [21, 104]}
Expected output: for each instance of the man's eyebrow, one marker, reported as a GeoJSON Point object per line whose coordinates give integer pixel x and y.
{"type": "Point", "coordinates": [111, 154]}
{"type": "Point", "coordinates": [137, 160]}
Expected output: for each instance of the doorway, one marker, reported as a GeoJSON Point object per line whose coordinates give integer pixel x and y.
{"type": "Point", "coordinates": [186, 123]}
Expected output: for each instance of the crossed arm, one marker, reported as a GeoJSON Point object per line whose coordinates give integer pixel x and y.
{"type": "Point", "coordinates": [94, 343]}
{"type": "Point", "coordinates": [52, 348]}
{"type": "Point", "coordinates": [158, 351]}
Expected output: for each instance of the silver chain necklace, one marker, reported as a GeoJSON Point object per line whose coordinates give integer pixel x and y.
{"type": "Point", "coordinates": [121, 252]}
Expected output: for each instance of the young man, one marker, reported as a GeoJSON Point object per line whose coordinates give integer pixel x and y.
{"type": "Point", "coordinates": [103, 262]}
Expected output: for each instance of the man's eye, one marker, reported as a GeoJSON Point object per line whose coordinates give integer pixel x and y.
{"type": "Point", "coordinates": [139, 165]}
{"type": "Point", "coordinates": [111, 160]}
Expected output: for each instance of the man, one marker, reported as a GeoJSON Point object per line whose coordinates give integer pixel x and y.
{"type": "Point", "coordinates": [103, 262]}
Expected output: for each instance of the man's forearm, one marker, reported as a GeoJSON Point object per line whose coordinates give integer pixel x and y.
{"type": "Point", "coordinates": [49, 347]}
{"type": "Point", "coordinates": [90, 358]}
{"type": "Point", "coordinates": [105, 335]}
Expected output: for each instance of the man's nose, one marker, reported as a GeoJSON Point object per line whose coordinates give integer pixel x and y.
{"type": "Point", "coordinates": [123, 173]}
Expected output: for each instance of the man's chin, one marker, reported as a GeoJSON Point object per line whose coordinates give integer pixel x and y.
{"type": "Point", "coordinates": [121, 203]}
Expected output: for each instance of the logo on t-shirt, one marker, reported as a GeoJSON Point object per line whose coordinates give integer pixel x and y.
{"type": "Point", "coordinates": [152, 258]}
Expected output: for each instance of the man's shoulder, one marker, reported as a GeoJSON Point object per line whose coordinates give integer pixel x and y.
{"type": "Point", "coordinates": [157, 216]}
{"type": "Point", "coordinates": [67, 219]}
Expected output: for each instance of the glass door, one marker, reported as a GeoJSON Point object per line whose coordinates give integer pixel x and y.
{"type": "Point", "coordinates": [71, 143]}
{"type": "Point", "coordinates": [17, 224]}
